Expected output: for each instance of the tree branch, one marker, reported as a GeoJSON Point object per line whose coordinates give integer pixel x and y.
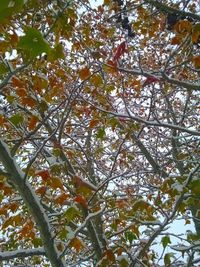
{"type": "Point", "coordinates": [21, 253]}
{"type": "Point", "coordinates": [33, 203]}
{"type": "Point", "coordinates": [168, 9]}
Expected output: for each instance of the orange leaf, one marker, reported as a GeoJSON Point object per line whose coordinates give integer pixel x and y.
{"type": "Point", "coordinates": [83, 183]}
{"type": "Point", "coordinates": [93, 123]}
{"type": "Point", "coordinates": [14, 38]}
{"type": "Point", "coordinates": [121, 204]}
{"type": "Point", "coordinates": [82, 201]}
{"type": "Point", "coordinates": [196, 61]}
{"type": "Point", "coordinates": [111, 67]}
{"type": "Point", "coordinates": [110, 255]}
{"type": "Point", "coordinates": [21, 91]}
{"type": "Point", "coordinates": [13, 206]}
{"type": "Point", "coordinates": [16, 82]}
{"type": "Point", "coordinates": [44, 174]}
{"type": "Point", "coordinates": [2, 120]}
{"type": "Point", "coordinates": [84, 73]}
{"type": "Point", "coordinates": [41, 190]}
{"type": "Point", "coordinates": [4, 210]}
{"type": "Point", "coordinates": [175, 40]}
{"type": "Point", "coordinates": [77, 244]}
{"type": "Point", "coordinates": [32, 123]}
{"type": "Point", "coordinates": [29, 101]}
{"type": "Point", "coordinates": [183, 26]}
{"type": "Point", "coordinates": [61, 198]}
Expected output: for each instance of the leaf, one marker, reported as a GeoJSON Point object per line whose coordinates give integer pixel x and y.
{"type": "Point", "coordinates": [110, 255]}
{"type": "Point", "coordinates": [13, 206]}
{"type": "Point", "coordinates": [41, 190]}
{"type": "Point", "coordinates": [96, 80]}
{"type": "Point", "coordinates": [93, 123]}
{"type": "Point", "coordinates": [183, 26]}
{"type": "Point", "coordinates": [8, 8]}
{"type": "Point", "coordinates": [71, 213]}
{"type": "Point", "coordinates": [167, 259]}
{"type": "Point", "coordinates": [84, 73]}
{"type": "Point", "coordinates": [29, 101]}
{"type": "Point", "coordinates": [37, 242]}
{"type": "Point", "coordinates": [77, 244]}
{"type": "Point", "coordinates": [149, 80]}
{"type": "Point", "coordinates": [165, 241]}
{"type": "Point", "coordinates": [60, 199]}
{"type": "Point", "coordinates": [111, 67]}
{"type": "Point", "coordinates": [17, 82]}
{"type": "Point", "coordinates": [121, 49]}
{"type": "Point", "coordinates": [44, 174]}
{"type": "Point", "coordinates": [56, 53]}
{"type": "Point", "coordinates": [123, 262]}
{"type": "Point", "coordinates": [3, 68]}
{"type": "Point", "coordinates": [32, 123]}
{"type": "Point", "coordinates": [130, 236]}
{"type": "Point", "coordinates": [196, 33]}
{"type": "Point", "coordinates": [33, 44]}
{"type": "Point", "coordinates": [196, 61]}
{"type": "Point", "coordinates": [82, 184]}
{"type": "Point", "coordinates": [176, 40]}
{"type": "Point", "coordinates": [12, 221]}
{"type": "Point", "coordinates": [101, 133]}
{"type": "Point", "coordinates": [82, 201]}
{"type": "Point", "coordinates": [43, 106]}
{"type": "Point", "coordinates": [2, 120]}
{"type": "Point", "coordinates": [55, 183]}
{"type": "Point", "coordinates": [195, 187]}
{"type": "Point", "coordinates": [16, 119]}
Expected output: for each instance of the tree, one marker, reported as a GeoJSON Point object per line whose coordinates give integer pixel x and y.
{"type": "Point", "coordinates": [99, 148]}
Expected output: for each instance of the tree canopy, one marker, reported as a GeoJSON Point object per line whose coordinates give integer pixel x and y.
{"type": "Point", "coordinates": [99, 133]}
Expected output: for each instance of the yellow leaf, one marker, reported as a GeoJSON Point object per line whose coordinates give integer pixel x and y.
{"type": "Point", "coordinates": [55, 183]}
{"type": "Point", "coordinates": [96, 80]}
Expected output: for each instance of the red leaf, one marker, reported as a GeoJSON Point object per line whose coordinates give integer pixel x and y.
{"type": "Point", "coordinates": [82, 201]}
{"type": "Point", "coordinates": [150, 80]}
{"type": "Point", "coordinates": [44, 174]}
{"type": "Point", "coordinates": [121, 49]}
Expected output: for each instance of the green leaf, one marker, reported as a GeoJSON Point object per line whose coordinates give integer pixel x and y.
{"type": "Point", "coordinates": [37, 242]}
{"type": "Point", "coordinates": [195, 187]}
{"type": "Point", "coordinates": [43, 106]}
{"type": "Point", "coordinates": [71, 213]}
{"type": "Point", "coordinates": [167, 259]}
{"type": "Point", "coordinates": [33, 44]}
{"type": "Point", "coordinates": [101, 133]}
{"type": "Point", "coordinates": [3, 68]}
{"type": "Point", "coordinates": [114, 122]}
{"type": "Point", "coordinates": [16, 119]}
{"type": "Point", "coordinates": [123, 263]}
{"type": "Point", "coordinates": [9, 8]}
{"type": "Point", "coordinates": [130, 236]}
{"type": "Point", "coordinates": [56, 53]}
{"type": "Point", "coordinates": [165, 241]}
